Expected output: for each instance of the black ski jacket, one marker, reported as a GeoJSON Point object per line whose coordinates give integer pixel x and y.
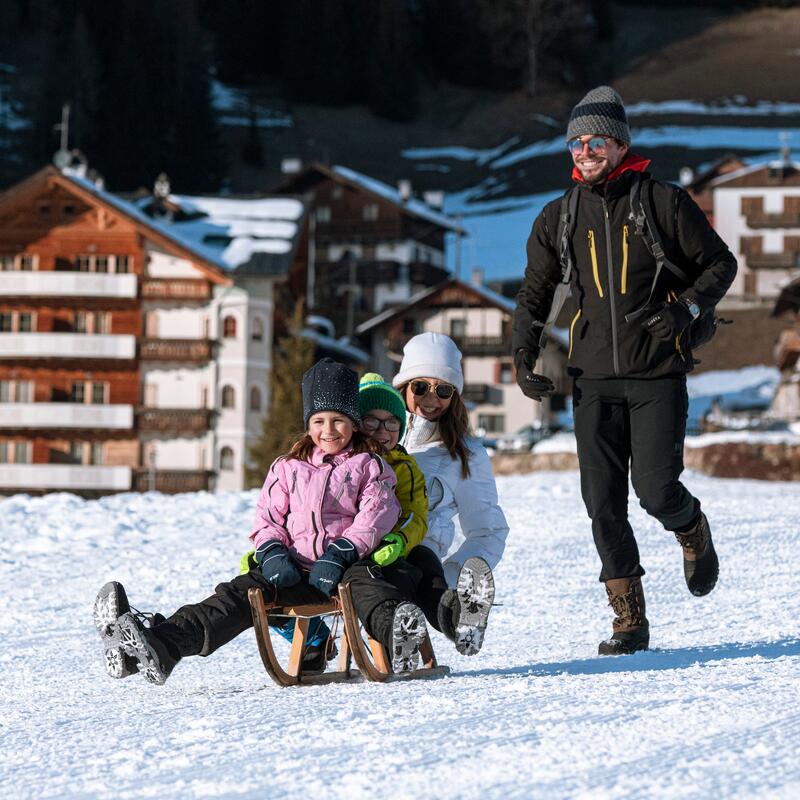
{"type": "Point", "coordinates": [613, 274]}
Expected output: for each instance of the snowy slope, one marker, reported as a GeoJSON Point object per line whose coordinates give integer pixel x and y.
{"type": "Point", "coordinates": [713, 711]}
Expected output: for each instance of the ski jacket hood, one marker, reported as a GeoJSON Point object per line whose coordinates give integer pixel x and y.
{"type": "Point", "coordinates": [305, 505]}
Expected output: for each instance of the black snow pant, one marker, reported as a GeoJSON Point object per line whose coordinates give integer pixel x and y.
{"type": "Point", "coordinates": [623, 423]}
{"type": "Point", "coordinates": [432, 584]}
{"type": "Point", "coordinates": [202, 628]}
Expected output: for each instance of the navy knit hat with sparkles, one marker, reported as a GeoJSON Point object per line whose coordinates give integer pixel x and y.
{"type": "Point", "coordinates": [330, 386]}
{"type": "Point", "coordinates": [600, 112]}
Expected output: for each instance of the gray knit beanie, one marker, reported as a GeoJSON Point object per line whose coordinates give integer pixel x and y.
{"type": "Point", "coordinates": [600, 112]}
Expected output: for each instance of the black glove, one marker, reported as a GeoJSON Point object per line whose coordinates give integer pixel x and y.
{"type": "Point", "coordinates": [327, 572]}
{"type": "Point", "coordinates": [276, 564]}
{"type": "Point", "coordinates": [668, 322]}
{"type": "Point", "coordinates": [534, 386]}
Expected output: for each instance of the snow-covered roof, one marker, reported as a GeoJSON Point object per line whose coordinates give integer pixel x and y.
{"type": "Point", "coordinates": [416, 207]}
{"type": "Point", "coordinates": [751, 168]}
{"type": "Point", "coordinates": [340, 347]}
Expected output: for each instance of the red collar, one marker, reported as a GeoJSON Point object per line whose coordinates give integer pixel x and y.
{"type": "Point", "coordinates": [631, 163]}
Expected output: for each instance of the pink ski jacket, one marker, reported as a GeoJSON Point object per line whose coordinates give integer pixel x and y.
{"type": "Point", "coordinates": [306, 505]}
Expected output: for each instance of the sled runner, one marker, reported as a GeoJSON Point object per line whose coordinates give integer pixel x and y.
{"type": "Point", "coordinates": [371, 660]}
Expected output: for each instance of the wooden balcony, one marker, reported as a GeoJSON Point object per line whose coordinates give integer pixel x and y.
{"type": "Point", "coordinates": [174, 420]}
{"type": "Point", "coordinates": [67, 284]}
{"type": "Point", "coordinates": [64, 477]}
{"type": "Point", "coordinates": [79, 346]}
{"type": "Point", "coordinates": [175, 289]}
{"type": "Point", "coordinates": [194, 350]}
{"type": "Point", "coordinates": [477, 393]}
{"type": "Point", "coordinates": [172, 481]}
{"type": "Point", "coordinates": [787, 350]}
{"type": "Point", "coordinates": [764, 219]}
{"type": "Point", "coordinates": [483, 345]}
{"type": "Point", "coordinates": [786, 260]}
{"type": "Point", "coordinates": [65, 416]}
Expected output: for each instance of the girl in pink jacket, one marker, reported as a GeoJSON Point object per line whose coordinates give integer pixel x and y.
{"type": "Point", "coordinates": [324, 507]}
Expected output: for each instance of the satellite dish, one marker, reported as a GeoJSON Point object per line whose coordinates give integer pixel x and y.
{"type": "Point", "coordinates": [62, 158]}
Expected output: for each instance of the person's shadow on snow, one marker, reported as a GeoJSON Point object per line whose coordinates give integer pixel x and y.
{"type": "Point", "coordinates": [648, 660]}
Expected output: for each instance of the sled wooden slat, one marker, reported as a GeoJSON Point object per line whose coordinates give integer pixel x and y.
{"type": "Point", "coordinates": [371, 659]}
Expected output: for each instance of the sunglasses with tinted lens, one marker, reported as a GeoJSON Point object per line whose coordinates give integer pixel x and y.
{"type": "Point", "coordinates": [372, 424]}
{"type": "Point", "coordinates": [597, 144]}
{"type": "Point", "coordinates": [444, 391]}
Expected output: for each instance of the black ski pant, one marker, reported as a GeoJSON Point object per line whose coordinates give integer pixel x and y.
{"type": "Point", "coordinates": [637, 424]}
{"type": "Point", "coordinates": [201, 628]}
{"type": "Point", "coordinates": [432, 583]}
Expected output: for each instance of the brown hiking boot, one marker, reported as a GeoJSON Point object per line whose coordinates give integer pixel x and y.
{"type": "Point", "coordinates": [700, 562]}
{"type": "Point", "coordinates": [631, 628]}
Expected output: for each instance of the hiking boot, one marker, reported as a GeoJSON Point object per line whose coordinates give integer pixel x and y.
{"type": "Point", "coordinates": [154, 660]}
{"type": "Point", "coordinates": [475, 595]}
{"type": "Point", "coordinates": [317, 656]}
{"type": "Point", "coordinates": [631, 628]}
{"type": "Point", "coordinates": [111, 602]}
{"type": "Point", "coordinates": [447, 613]}
{"type": "Point", "coordinates": [408, 633]}
{"type": "Point", "coordinates": [700, 562]}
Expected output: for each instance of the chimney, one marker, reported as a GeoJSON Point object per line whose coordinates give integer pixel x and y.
{"type": "Point", "coordinates": [291, 166]}
{"type": "Point", "coordinates": [435, 199]}
{"type": "Point", "coordinates": [477, 276]}
{"type": "Point", "coordinates": [686, 176]}
{"type": "Point", "coordinates": [404, 189]}
{"type": "Point", "coordinates": [161, 188]}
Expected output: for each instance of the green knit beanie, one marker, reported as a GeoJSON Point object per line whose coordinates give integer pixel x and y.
{"type": "Point", "coordinates": [374, 392]}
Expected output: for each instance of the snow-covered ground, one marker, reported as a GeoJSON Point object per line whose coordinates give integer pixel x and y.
{"type": "Point", "coordinates": [712, 710]}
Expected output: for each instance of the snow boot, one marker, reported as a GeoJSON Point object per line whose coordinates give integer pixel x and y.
{"type": "Point", "coordinates": [475, 595]}
{"type": "Point", "coordinates": [700, 562]}
{"type": "Point", "coordinates": [154, 659]}
{"type": "Point", "coordinates": [317, 656]}
{"type": "Point", "coordinates": [408, 633]}
{"type": "Point", "coordinates": [631, 628]}
{"type": "Point", "coordinates": [111, 603]}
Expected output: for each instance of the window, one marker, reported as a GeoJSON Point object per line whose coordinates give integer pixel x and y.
{"type": "Point", "coordinates": [226, 459]}
{"type": "Point", "coordinates": [492, 423]}
{"type": "Point", "coordinates": [68, 210]}
{"type": "Point", "coordinates": [44, 210]}
{"type": "Point", "coordinates": [75, 455]}
{"type": "Point", "coordinates": [458, 328]}
{"type": "Point", "coordinates": [229, 327]}
{"type": "Point", "coordinates": [7, 263]}
{"type": "Point", "coordinates": [80, 321]}
{"type": "Point", "coordinates": [102, 322]}
{"type": "Point", "coordinates": [3, 452]}
{"type": "Point", "coordinates": [5, 391]}
{"type": "Point", "coordinates": [26, 263]}
{"type": "Point", "coordinates": [25, 322]}
{"type": "Point", "coordinates": [228, 397]}
{"type": "Point", "coordinates": [96, 453]}
{"type": "Point", "coordinates": [370, 212]}
{"type": "Point", "coordinates": [101, 264]}
{"type": "Point", "coordinates": [123, 264]}
{"type": "Point", "coordinates": [255, 398]}
{"type": "Point", "coordinates": [257, 331]}
{"type": "Point", "coordinates": [505, 373]}
{"type": "Point", "coordinates": [22, 452]}
{"type": "Point", "coordinates": [6, 321]}
{"type": "Point", "coordinates": [99, 393]}
{"type": "Point", "coordinates": [323, 214]}
{"type": "Point", "coordinates": [77, 393]}
{"type": "Point", "coordinates": [24, 393]}
{"type": "Point", "coordinates": [410, 326]}
{"type": "Point", "coordinates": [83, 263]}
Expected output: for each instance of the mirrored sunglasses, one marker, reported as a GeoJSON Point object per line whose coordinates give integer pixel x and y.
{"type": "Point", "coordinates": [597, 144]}
{"type": "Point", "coordinates": [372, 424]}
{"type": "Point", "coordinates": [444, 391]}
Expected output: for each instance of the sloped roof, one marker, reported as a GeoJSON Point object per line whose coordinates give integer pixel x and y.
{"type": "Point", "coordinates": [412, 207]}
{"type": "Point", "coordinates": [487, 295]}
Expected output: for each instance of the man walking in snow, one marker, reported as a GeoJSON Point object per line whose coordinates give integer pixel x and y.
{"type": "Point", "coordinates": [641, 270]}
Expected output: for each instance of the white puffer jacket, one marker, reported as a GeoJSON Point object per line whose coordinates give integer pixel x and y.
{"type": "Point", "coordinates": [474, 499]}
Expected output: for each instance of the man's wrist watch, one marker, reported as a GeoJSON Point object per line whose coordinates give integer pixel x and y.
{"type": "Point", "coordinates": [691, 307]}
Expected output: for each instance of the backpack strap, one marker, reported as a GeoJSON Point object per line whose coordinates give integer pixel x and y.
{"type": "Point", "coordinates": [641, 212]}
{"type": "Point", "coordinates": [567, 220]}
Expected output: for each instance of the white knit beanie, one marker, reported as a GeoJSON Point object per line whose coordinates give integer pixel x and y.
{"type": "Point", "coordinates": [431, 355]}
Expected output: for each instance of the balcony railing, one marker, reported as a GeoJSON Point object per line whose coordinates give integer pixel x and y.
{"type": "Point", "coordinates": [172, 481]}
{"type": "Point", "coordinates": [175, 289]}
{"type": "Point", "coordinates": [476, 393]}
{"type": "Point", "coordinates": [67, 345]}
{"type": "Point", "coordinates": [198, 350]}
{"type": "Point", "coordinates": [66, 284]}
{"type": "Point", "coordinates": [787, 350]}
{"type": "Point", "coordinates": [64, 477]}
{"type": "Point", "coordinates": [781, 219]}
{"type": "Point", "coordinates": [482, 345]}
{"type": "Point", "coordinates": [786, 260]}
{"type": "Point", "coordinates": [66, 415]}
{"type": "Point", "coordinates": [174, 420]}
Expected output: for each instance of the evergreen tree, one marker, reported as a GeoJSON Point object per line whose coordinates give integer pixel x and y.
{"type": "Point", "coordinates": [291, 357]}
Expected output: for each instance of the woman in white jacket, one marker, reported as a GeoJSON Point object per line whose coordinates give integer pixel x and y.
{"type": "Point", "coordinates": [458, 476]}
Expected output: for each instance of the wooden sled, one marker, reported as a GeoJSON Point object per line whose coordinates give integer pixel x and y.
{"type": "Point", "coordinates": [371, 660]}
